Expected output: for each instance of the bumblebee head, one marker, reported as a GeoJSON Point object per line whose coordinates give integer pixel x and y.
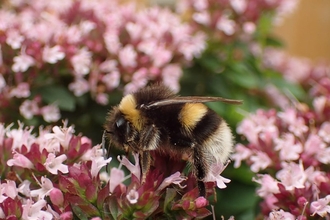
{"type": "Point", "coordinates": [120, 130]}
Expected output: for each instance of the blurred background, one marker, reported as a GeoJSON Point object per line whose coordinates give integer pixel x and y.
{"type": "Point", "coordinates": [254, 50]}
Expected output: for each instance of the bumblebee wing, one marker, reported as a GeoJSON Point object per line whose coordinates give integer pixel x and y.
{"type": "Point", "coordinates": [190, 99]}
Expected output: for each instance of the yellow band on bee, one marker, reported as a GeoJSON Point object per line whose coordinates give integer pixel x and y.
{"type": "Point", "coordinates": [191, 114]}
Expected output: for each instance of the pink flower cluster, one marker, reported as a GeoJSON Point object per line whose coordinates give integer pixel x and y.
{"type": "Point", "coordinates": [58, 175]}
{"type": "Point", "coordinates": [291, 148]}
{"type": "Point", "coordinates": [232, 20]}
{"type": "Point", "coordinates": [89, 47]}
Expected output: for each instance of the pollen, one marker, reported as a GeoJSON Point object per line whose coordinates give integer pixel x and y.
{"type": "Point", "coordinates": [191, 114]}
{"type": "Point", "coordinates": [128, 107]}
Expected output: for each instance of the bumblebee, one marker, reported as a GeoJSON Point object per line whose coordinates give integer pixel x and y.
{"type": "Point", "coordinates": [156, 119]}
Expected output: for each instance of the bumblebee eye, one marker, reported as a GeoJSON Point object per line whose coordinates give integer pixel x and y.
{"type": "Point", "coordinates": [120, 122]}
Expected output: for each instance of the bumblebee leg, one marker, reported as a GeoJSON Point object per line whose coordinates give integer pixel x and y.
{"type": "Point", "coordinates": [145, 164]}
{"type": "Point", "coordinates": [150, 137]}
{"type": "Point", "coordinates": [199, 169]}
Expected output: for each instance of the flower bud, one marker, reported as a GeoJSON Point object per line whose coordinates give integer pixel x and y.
{"type": "Point", "coordinates": [56, 196]}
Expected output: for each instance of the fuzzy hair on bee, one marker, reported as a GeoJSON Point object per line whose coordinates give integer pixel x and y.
{"type": "Point", "coordinates": [156, 119]}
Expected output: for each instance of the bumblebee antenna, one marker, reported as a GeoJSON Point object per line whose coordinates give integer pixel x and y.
{"type": "Point", "coordinates": [103, 144]}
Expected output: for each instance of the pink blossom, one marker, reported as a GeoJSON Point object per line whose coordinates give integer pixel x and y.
{"type": "Point", "coordinates": [202, 18]}
{"type": "Point", "coordinates": [214, 175]}
{"type": "Point", "coordinates": [239, 5]}
{"type": "Point", "coordinates": [20, 160]}
{"type": "Point", "coordinates": [132, 196]}
{"type": "Point", "coordinates": [2, 80]}
{"type": "Point", "coordinates": [61, 135]}
{"type": "Point", "coordinates": [52, 54]}
{"type": "Point", "coordinates": [50, 113]}
{"type": "Point", "coordinates": [280, 214]}
{"type": "Point", "coordinates": [8, 189]}
{"type": "Point", "coordinates": [98, 160]}
{"type": "Point", "coordinates": [314, 145]}
{"type": "Point", "coordinates": [112, 79]}
{"type": "Point", "coordinates": [268, 185]}
{"type": "Point", "coordinates": [34, 210]}
{"type": "Point", "coordinates": [288, 148]}
{"type": "Point", "coordinates": [241, 153]}
{"type": "Point", "coordinates": [200, 5]}
{"type": "Point", "coordinates": [226, 25]}
{"type": "Point", "coordinates": [21, 91]}
{"type": "Point", "coordinates": [296, 124]}
{"type": "Point", "coordinates": [133, 168]}
{"type": "Point", "coordinates": [109, 66]}
{"type": "Point", "coordinates": [292, 176]}
{"type": "Point", "coordinates": [46, 188]}
{"type": "Point", "coordinates": [29, 108]}
{"type": "Point", "coordinates": [171, 74]}
{"type": "Point", "coordinates": [22, 63]}
{"type": "Point", "coordinates": [319, 104]}
{"type": "Point", "coordinates": [324, 131]}
{"type": "Point", "coordinates": [102, 98]}
{"type": "Point", "coordinates": [81, 62]}
{"type": "Point", "coordinates": [79, 87]}
{"type": "Point", "coordinates": [24, 188]}
{"type": "Point", "coordinates": [321, 206]}
{"type": "Point", "coordinates": [14, 39]}
{"type": "Point", "coordinates": [54, 164]}
{"type": "Point", "coordinates": [260, 161]}
{"type": "Point", "coordinates": [112, 41]}
{"type": "Point", "coordinates": [175, 178]}
{"type": "Point", "coordinates": [134, 30]}
{"type": "Point", "coordinates": [117, 176]}
{"type": "Point", "coordinates": [127, 56]}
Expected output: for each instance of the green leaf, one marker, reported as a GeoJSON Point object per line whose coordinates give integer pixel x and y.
{"type": "Point", "coordinates": [58, 95]}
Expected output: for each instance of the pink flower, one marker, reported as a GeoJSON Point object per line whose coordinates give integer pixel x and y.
{"type": "Point", "coordinates": [132, 196]}
{"type": "Point", "coordinates": [280, 214]}
{"type": "Point", "coordinates": [46, 188]}
{"type": "Point", "coordinates": [54, 164]}
{"type": "Point", "coordinates": [81, 62]}
{"type": "Point", "coordinates": [268, 185]}
{"type": "Point", "coordinates": [133, 168]}
{"type": "Point", "coordinates": [239, 5]}
{"type": "Point", "coordinates": [50, 113]}
{"type": "Point", "coordinates": [79, 87]}
{"type": "Point", "coordinates": [289, 150]}
{"type": "Point", "coordinates": [34, 210]}
{"type": "Point", "coordinates": [61, 135]}
{"type": "Point", "coordinates": [20, 160]}
{"type": "Point", "coordinates": [202, 18]}
{"type": "Point", "coordinates": [241, 153]}
{"type": "Point", "coordinates": [112, 79]}
{"type": "Point", "coordinates": [14, 39]}
{"type": "Point", "coordinates": [171, 74]}
{"type": "Point", "coordinates": [292, 176]}
{"type": "Point", "coordinates": [260, 161]}
{"type": "Point", "coordinates": [324, 132]}
{"type": "Point", "coordinates": [52, 54]}
{"type": "Point", "coordinates": [29, 108]}
{"type": "Point", "coordinates": [21, 91]}
{"type": "Point", "coordinates": [175, 178]}
{"type": "Point", "coordinates": [22, 63]}
{"type": "Point", "coordinates": [226, 25]}
{"type": "Point", "coordinates": [127, 56]}
{"type": "Point", "coordinates": [9, 189]}
{"type": "Point", "coordinates": [98, 160]}
{"type": "Point", "coordinates": [117, 176]}
{"type": "Point", "coordinates": [214, 175]}
{"type": "Point", "coordinates": [321, 206]}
